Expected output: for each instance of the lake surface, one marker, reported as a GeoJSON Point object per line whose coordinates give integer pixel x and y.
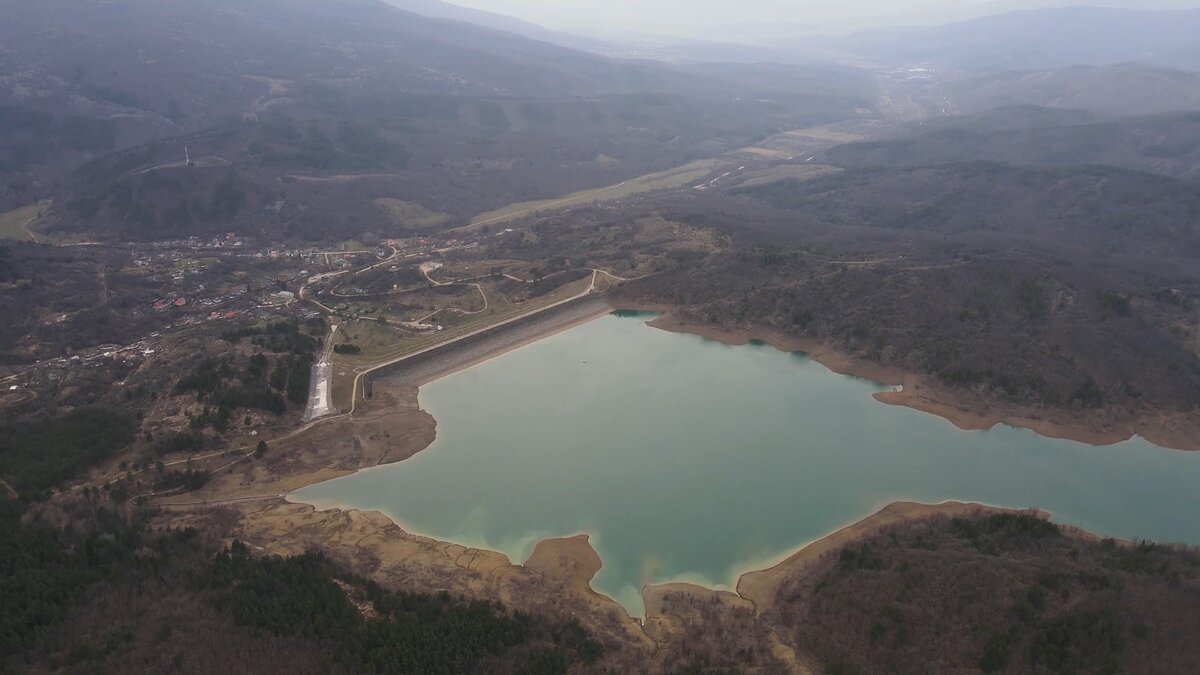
{"type": "Point", "coordinates": [686, 459]}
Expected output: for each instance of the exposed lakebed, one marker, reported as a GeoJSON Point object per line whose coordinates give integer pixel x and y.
{"type": "Point", "coordinates": [686, 459]}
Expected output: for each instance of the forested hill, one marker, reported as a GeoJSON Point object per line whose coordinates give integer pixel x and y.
{"type": "Point", "coordinates": [1168, 144]}
{"type": "Point", "coordinates": [1005, 593]}
{"type": "Point", "coordinates": [108, 596]}
{"type": "Point", "coordinates": [1040, 38]}
{"type": "Point", "coordinates": [453, 117]}
{"type": "Point", "coordinates": [1093, 208]}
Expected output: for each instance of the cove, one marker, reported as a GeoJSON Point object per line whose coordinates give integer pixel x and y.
{"type": "Point", "coordinates": [686, 459]}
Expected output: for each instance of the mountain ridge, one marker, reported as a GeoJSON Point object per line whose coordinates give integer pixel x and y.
{"type": "Point", "coordinates": [1028, 39]}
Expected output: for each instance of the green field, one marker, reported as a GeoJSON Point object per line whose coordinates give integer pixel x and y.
{"type": "Point", "coordinates": [425, 300]}
{"type": "Point", "coordinates": [382, 343]}
{"type": "Point", "coordinates": [408, 215]}
{"type": "Point", "coordinates": [824, 134]}
{"type": "Point", "coordinates": [663, 180]}
{"type": "Point", "coordinates": [12, 224]}
{"type": "Point", "coordinates": [797, 172]}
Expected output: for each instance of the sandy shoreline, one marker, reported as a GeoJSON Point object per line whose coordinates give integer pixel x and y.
{"type": "Point", "coordinates": [759, 586]}
{"type": "Point", "coordinates": [556, 578]}
{"type": "Point", "coordinates": [573, 561]}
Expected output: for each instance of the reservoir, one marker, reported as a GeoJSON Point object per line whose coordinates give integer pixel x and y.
{"type": "Point", "coordinates": [686, 459]}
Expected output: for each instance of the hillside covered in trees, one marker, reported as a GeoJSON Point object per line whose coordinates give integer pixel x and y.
{"type": "Point", "coordinates": [107, 596]}
{"type": "Point", "coordinates": [1004, 593]}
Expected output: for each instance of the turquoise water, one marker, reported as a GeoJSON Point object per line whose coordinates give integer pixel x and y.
{"type": "Point", "coordinates": [686, 459]}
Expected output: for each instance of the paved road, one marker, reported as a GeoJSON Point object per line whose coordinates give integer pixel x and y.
{"type": "Point", "coordinates": [218, 502]}
{"type": "Point", "coordinates": [320, 388]}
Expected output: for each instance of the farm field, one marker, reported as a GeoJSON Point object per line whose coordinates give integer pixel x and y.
{"type": "Point", "coordinates": [13, 223]}
{"type": "Point", "coordinates": [662, 180]}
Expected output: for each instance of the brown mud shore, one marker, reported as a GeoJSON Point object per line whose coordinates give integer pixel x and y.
{"type": "Point", "coordinates": [1168, 429]}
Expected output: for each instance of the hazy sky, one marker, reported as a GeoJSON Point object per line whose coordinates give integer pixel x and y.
{"type": "Point", "coordinates": [734, 18]}
{"type": "Point", "coordinates": [684, 16]}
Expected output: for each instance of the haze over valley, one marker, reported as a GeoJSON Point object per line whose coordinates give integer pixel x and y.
{"type": "Point", "coordinates": [528, 337]}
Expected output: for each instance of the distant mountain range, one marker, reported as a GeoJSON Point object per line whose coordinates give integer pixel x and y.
{"type": "Point", "coordinates": [832, 19]}
{"type": "Point", "coordinates": [633, 44]}
{"type": "Point", "coordinates": [442, 112]}
{"type": "Point", "coordinates": [1032, 39]}
{"type": "Point", "coordinates": [361, 41]}
{"type": "Point", "coordinates": [993, 35]}
{"type": "Point", "coordinates": [89, 76]}
{"type": "Point", "coordinates": [1121, 90]}
{"type": "Point", "coordinates": [444, 10]}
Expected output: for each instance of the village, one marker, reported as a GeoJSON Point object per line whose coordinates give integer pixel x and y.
{"type": "Point", "coordinates": [196, 288]}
